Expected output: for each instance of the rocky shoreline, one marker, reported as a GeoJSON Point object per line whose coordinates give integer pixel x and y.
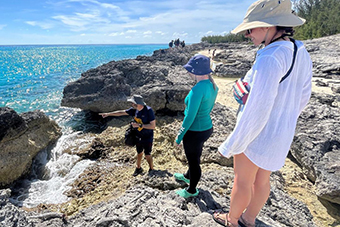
{"type": "Point", "coordinates": [22, 137]}
{"type": "Point", "coordinates": [107, 195]}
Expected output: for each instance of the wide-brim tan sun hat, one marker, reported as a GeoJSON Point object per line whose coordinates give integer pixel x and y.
{"type": "Point", "coordinates": [269, 13]}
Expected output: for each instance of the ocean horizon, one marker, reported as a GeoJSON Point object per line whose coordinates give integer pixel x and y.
{"type": "Point", "coordinates": [33, 76]}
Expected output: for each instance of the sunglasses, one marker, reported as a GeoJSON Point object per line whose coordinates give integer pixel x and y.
{"type": "Point", "coordinates": [248, 32]}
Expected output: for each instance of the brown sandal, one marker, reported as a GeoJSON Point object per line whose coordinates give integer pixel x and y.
{"type": "Point", "coordinates": [244, 223]}
{"type": "Point", "coordinates": [222, 221]}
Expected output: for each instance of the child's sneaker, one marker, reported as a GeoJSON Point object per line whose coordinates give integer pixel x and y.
{"type": "Point", "coordinates": [180, 176]}
{"type": "Point", "coordinates": [185, 194]}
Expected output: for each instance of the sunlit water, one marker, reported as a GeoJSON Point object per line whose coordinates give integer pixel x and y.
{"type": "Point", "coordinates": [33, 77]}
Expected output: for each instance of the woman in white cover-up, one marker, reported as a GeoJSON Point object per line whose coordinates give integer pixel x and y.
{"type": "Point", "coordinates": [266, 123]}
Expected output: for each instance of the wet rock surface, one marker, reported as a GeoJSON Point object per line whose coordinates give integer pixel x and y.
{"type": "Point", "coordinates": [22, 138]}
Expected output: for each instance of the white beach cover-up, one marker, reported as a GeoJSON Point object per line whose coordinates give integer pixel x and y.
{"type": "Point", "coordinates": [266, 125]}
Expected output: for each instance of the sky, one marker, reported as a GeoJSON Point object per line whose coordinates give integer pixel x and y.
{"type": "Point", "coordinates": [116, 21]}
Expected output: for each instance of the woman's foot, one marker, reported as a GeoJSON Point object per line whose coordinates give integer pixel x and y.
{"type": "Point", "coordinates": [222, 218]}
{"type": "Point", "coordinates": [244, 223]}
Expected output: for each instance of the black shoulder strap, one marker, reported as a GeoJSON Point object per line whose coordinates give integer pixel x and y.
{"type": "Point", "coordinates": [291, 67]}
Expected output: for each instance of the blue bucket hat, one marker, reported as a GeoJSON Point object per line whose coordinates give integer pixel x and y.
{"type": "Point", "coordinates": [198, 65]}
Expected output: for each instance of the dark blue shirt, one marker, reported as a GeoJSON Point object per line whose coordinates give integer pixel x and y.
{"type": "Point", "coordinates": [144, 116]}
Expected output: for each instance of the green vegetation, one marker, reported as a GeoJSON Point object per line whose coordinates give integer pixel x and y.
{"type": "Point", "coordinates": [228, 38]}
{"type": "Point", "coordinates": [322, 19]}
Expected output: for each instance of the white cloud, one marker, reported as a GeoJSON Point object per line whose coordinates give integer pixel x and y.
{"type": "Point", "coordinates": [43, 25]}
{"type": "Point", "coordinates": [160, 33]}
{"type": "Point", "coordinates": [90, 15]}
{"type": "Point", "coordinates": [116, 34]}
{"type": "Point", "coordinates": [177, 34]}
{"type": "Point", "coordinates": [86, 16]}
{"type": "Point", "coordinates": [2, 26]}
{"type": "Point", "coordinates": [109, 6]}
{"type": "Point", "coordinates": [156, 21]}
{"type": "Point", "coordinates": [75, 23]}
{"type": "Point", "coordinates": [138, 15]}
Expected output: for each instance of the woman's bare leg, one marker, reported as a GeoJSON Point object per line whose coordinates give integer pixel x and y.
{"type": "Point", "coordinates": [245, 173]}
{"type": "Point", "coordinates": [261, 190]}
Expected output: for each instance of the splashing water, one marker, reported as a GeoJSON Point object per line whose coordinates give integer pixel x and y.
{"type": "Point", "coordinates": [53, 172]}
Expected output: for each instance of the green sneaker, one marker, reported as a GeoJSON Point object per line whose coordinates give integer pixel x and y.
{"type": "Point", "coordinates": [180, 176]}
{"type": "Point", "coordinates": [185, 194]}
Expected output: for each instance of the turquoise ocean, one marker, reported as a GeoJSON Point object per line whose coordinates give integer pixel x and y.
{"type": "Point", "coordinates": [33, 77]}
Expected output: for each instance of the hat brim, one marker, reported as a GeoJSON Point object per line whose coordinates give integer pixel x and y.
{"type": "Point", "coordinates": [133, 101]}
{"type": "Point", "coordinates": [189, 68]}
{"type": "Point", "coordinates": [284, 21]}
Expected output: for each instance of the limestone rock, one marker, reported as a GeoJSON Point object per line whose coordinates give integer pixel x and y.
{"type": "Point", "coordinates": [159, 79]}
{"type": "Point", "coordinates": [336, 88]}
{"type": "Point", "coordinates": [325, 56]}
{"type": "Point", "coordinates": [24, 136]}
{"type": "Point", "coordinates": [150, 205]}
{"type": "Point", "coordinates": [316, 146]}
{"type": "Point", "coordinates": [10, 214]}
{"type": "Point", "coordinates": [11, 124]}
{"type": "Point", "coordinates": [163, 82]}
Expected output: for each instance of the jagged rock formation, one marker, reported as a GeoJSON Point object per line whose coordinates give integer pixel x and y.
{"type": "Point", "coordinates": [316, 148]}
{"type": "Point", "coordinates": [107, 195]}
{"type": "Point", "coordinates": [21, 138]}
{"type": "Point", "coordinates": [237, 58]}
{"type": "Point", "coordinates": [325, 56]}
{"type": "Point", "coordinates": [163, 82]}
{"type": "Point", "coordinates": [159, 79]}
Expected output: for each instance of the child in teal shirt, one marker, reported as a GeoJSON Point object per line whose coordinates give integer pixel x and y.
{"type": "Point", "coordinates": [197, 125]}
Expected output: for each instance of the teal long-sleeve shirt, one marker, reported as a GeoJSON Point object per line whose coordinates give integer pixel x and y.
{"type": "Point", "coordinates": [199, 103]}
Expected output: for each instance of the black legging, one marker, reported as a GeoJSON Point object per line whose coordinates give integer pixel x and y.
{"type": "Point", "coordinates": [193, 144]}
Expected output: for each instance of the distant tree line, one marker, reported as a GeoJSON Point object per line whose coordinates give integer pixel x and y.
{"type": "Point", "coordinates": [322, 19]}
{"type": "Point", "coordinates": [228, 38]}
